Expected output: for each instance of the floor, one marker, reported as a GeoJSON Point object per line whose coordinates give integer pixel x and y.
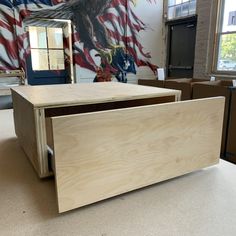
{"type": "Point", "coordinates": [201, 203]}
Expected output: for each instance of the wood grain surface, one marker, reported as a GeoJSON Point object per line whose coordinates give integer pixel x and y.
{"type": "Point", "coordinates": [80, 94]}
{"type": "Point", "coordinates": [50, 100]}
{"type": "Point", "coordinates": [103, 154]}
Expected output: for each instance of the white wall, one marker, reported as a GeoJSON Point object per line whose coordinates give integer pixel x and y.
{"type": "Point", "coordinates": [153, 38]}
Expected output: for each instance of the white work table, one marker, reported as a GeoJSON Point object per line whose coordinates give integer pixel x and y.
{"type": "Point", "coordinates": [200, 203]}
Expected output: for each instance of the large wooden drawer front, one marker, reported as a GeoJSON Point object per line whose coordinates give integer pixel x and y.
{"type": "Point", "coordinates": [102, 154]}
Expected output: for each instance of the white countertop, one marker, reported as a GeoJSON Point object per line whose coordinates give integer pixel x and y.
{"type": "Point", "coordinates": [200, 203]}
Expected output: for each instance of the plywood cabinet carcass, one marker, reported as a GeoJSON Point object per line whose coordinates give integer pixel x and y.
{"type": "Point", "coordinates": [104, 139]}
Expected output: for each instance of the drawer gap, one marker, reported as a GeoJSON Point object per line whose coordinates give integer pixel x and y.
{"type": "Point", "coordinates": [51, 164]}
{"type": "Point", "coordinates": [78, 109]}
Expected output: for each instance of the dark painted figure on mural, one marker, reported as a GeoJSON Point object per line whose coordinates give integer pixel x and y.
{"type": "Point", "coordinates": [86, 19]}
{"type": "Point", "coordinates": [122, 63]}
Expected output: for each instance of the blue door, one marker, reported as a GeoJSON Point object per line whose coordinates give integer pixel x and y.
{"type": "Point", "coordinates": [46, 63]}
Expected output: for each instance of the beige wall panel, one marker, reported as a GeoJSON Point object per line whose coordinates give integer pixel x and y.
{"type": "Point", "coordinates": [103, 154]}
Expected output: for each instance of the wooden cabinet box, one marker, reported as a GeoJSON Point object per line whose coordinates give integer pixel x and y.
{"type": "Point", "coordinates": [106, 139]}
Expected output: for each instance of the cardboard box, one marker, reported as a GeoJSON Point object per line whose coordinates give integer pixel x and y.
{"type": "Point", "coordinates": [183, 84]}
{"type": "Point", "coordinates": [151, 82]}
{"type": "Point", "coordinates": [230, 154]}
{"type": "Point", "coordinates": [213, 89]}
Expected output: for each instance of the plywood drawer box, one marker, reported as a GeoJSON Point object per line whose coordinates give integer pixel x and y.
{"type": "Point", "coordinates": [103, 150]}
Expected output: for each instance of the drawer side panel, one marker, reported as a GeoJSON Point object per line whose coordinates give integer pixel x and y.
{"type": "Point", "coordinates": [25, 128]}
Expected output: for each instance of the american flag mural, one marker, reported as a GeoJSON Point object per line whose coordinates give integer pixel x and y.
{"type": "Point", "coordinates": [99, 25]}
{"type": "Point", "coordinates": [14, 43]}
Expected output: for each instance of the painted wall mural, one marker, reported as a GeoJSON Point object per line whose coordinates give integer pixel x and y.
{"type": "Point", "coordinates": [107, 29]}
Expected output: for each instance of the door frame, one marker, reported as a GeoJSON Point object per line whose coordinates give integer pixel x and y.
{"type": "Point", "coordinates": [31, 22]}
{"type": "Point", "coordinates": [168, 25]}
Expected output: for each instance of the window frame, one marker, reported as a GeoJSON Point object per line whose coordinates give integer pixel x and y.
{"type": "Point", "coordinates": [218, 33]}
{"type": "Point", "coordinates": [48, 49]}
{"type": "Point", "coordinates": [181, 5]}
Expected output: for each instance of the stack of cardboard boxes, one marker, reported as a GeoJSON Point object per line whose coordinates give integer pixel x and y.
{"type": "Point", "coordinates": [185, 85]}
{"type": "Point", "coordinates": [213, 89]}
{"type": "Point", "coordinates": [202, 88]}
{"type": "Point", "coordinates": [152, 82]}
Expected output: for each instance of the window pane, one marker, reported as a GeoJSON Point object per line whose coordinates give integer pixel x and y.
{"type": "Point", "coordinates": [55, 38]}
{"type": "Point", "coordinates": [178, 11]}
{"type": "Point", "coordinates": [192, 7]}
{"type": "Point", "coordinates": [229, 19]}
{"type": "Point", "coordinates": [171, 13]}
{"type": "Point", "coordinates": [185, 8]}
{"type": "Point", "coordinates": [56, 58]}
{"type": "Point", "coordinates": [227, 53]}
{"type": "Point", "coordinates": [39, 59]}
{"type": "Point", "coordinates": [171, 2]}
{"type": "Point", "coordinates": [37, 37]}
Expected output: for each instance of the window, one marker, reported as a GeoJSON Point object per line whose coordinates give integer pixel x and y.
{"type": "Point", "coordinates": [181, 8]}
{"type": "Point", "coordinates": [226, 37]}
{"type": "Point", "coordinates": [47, 51]}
